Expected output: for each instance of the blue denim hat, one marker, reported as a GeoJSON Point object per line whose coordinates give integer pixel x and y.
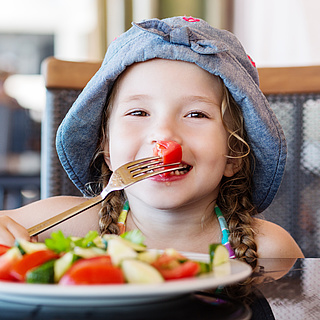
{"type": "Point", "coordinates": [187, 39]}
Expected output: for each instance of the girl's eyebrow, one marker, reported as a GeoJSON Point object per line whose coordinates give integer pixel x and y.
{"type": "Point", "coordinates": [186, 99]}
{"type": "Point", "coordinates": [135, 97]}
{"type": "Point", "coordinates": [201, 99]}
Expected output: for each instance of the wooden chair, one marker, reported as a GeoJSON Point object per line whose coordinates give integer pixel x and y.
{"type": "Point", "coordinates": [64, 81]}
{"type": "Point", "coordinates": [294, 94]}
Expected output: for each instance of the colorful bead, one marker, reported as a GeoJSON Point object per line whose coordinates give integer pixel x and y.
{"type": "Point", "coordinates": [190, 19]}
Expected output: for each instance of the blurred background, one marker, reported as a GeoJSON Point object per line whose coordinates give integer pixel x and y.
{"type": "Point", "coordinates": [274, 33]}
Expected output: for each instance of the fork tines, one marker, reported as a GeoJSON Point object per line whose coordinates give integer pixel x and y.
{"type": "Point", "coordinates": [144, 163]}
{"type": "Point", "coordinates": [148, 166]}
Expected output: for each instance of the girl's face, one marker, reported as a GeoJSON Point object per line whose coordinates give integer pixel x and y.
{"type": "Point", "coordinates": [170, 100]}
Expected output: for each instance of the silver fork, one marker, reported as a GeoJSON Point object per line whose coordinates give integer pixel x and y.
{"type": "Point", "coordinates": [121, 178]}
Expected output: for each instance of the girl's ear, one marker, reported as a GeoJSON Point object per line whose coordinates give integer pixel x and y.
{"type": "Point", "coordinates": [233, 165]}
{"type": "Point", "coordinates": [106, 156]}
{"type": "Point", "coordinates": [107, 159]}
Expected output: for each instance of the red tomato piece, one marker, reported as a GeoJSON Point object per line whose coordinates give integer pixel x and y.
{"type": "Point", "coordinates": [173, 268]}
{"type": "Point", "coordinates": [30, 261]}
{"type": "Point", "coordinates": [7, 261]}
{"type": "Point", "coordinates": [170, 151]}
{"type": "Point", "coordinates": [97, 270]}
{"type": "Point", "coordinates": [3, 249]}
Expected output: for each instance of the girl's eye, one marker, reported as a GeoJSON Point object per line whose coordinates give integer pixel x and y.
{"type": "Point", "coordinates": [196, 114]}
{"type": "Point", "coordinates": [138, 113]}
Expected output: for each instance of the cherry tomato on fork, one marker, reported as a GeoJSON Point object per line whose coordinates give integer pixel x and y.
{"type": "Point", "coordinates": [170, 151]}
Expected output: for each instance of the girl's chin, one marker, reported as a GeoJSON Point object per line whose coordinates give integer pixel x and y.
{"type": "Point", "coordinates": [158, 200]}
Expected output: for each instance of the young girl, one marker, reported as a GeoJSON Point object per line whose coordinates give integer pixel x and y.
{"type": "Point", "coordinates": [174, 79]}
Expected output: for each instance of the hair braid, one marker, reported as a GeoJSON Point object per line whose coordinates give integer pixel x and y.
{"type": "Point", "coordinates": [235, 193]}
{"type": "Point", "coordinates": [113, 204]}
{"type": "Point", "coordinates": [110, 208]}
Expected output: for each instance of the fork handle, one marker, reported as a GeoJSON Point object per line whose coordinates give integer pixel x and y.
{"type": "Point", "coordinates": [47, 224]}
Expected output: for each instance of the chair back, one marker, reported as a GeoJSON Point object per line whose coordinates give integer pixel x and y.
{"type": "Point", "coordinates": [294, 95]}
{"type": "Point", "coordinates": [64, 81]}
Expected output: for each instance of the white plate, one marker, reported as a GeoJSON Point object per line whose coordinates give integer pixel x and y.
{"type": "Point", "coordinates": [104, 295]}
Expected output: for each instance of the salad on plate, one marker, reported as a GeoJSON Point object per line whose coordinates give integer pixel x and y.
{"type": "Point", "coordinates": [108, 259]}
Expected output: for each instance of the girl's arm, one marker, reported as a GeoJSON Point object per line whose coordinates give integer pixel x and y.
{"type": "Point", "coordinates": [14, 223]}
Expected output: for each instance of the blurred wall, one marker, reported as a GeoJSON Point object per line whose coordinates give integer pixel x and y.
{"type": "Point", "coordinates": [279, 33]}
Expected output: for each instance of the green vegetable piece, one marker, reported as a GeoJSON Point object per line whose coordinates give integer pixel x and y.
{"type": "Point", "coordinates": [218, 254]}
{"type": "Point", "coordinates": [134, 236]}
{"type": "Point", "coordinates": [88, 240]}
{"type": "Point", "coordinates": [58, 242]}
{"type": "Point", "coordinates": [62, 264]}
{"type": "Point", "coordinates": [28, 247]}
{"type": "Point", "coordinates": [17, 244]}
{"type": "Point", "coordinates": [42, 274]}
{"type": "Point", "coordinates": [204, 267]}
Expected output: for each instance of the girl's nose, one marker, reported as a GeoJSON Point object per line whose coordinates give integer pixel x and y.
{"type": "Point", "coordinates": [166, 130]}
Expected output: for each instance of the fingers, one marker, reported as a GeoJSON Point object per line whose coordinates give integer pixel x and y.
{"type": "Point", "coordinates": [34, 239]}
{"type": "Point", "coordinates": [11, 230]}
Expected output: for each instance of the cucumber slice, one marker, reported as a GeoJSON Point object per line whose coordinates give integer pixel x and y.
{"type": "Point", "coordinates": [134, 246]}
{"type": "Point", "coordinates": [223, 269]}
{"type": "Point", "coordinates": [89, 252]}
{"type": "Point", "coordinates": [119, 250]}
{"type": "Point", "coordinates": [218, 254]}
{"type": "Point", "coordinates": [63, 264]}
{"type": "Point", "coordinates": [136, 271]}
{"type": "Point", "coordinates": [148, 256]}
{"type": "Point", "coordinates": [99, 243]}
{"type": "Point", "coordinates": [42, 274]}
{"type": "Point", "coordinates": [28, 247]}
{"type": "Point", "coordinates": [204, 267]}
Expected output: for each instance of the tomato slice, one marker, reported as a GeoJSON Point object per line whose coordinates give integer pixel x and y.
{"type": "Point", "coordinates": [170, 151]}
{"type": "Point", "coordinates": [7, 261]}
{"type": "Point", "coordinates": [30, 261]}
{"type": "Point", "coordinates": [172, 267]}
{"type": "Point", "coordinates": [3, 249]}
{"type": "Point", "coordinates": [97, 270]}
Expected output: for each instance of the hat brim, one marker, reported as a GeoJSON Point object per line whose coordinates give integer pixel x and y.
{"type": "Point", "coordinates": [221, 55]}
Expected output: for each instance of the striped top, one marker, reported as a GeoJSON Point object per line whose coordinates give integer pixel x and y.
{"type": "Point", "coordinates": [222, 222]}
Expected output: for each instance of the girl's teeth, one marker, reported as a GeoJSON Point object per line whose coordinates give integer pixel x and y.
{"type": "Point", "coordinates": [178, 172]}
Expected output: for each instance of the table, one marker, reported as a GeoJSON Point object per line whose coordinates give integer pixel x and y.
{"type": "Point", "coordinates": [281, 289]}
{"type": "Point", "coordinates": [296, 295]}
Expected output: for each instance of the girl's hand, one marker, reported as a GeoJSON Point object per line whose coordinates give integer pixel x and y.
{"type": "Point", "coordinates": [11, 230]}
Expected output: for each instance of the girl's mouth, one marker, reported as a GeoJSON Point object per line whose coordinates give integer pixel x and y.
{"type": "Point", "coordinates": [172, 175]}
{"type": "Point", "coordinates": [186, 168]}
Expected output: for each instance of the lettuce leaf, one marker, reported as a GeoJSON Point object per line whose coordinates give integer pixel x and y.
{"type": "Point", "coordinates": [134, 236]}
{"type": "Point", "coordinates": [58, 242]}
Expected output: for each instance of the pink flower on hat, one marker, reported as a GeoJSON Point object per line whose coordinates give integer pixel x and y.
{"type": "Point", "coordinates": [253, 63]}
{"type": "Point", "coordinates": [190, 19]}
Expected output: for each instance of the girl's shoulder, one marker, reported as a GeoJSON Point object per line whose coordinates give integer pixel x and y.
{"type": "Point", "coordinates": [274, 242]}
